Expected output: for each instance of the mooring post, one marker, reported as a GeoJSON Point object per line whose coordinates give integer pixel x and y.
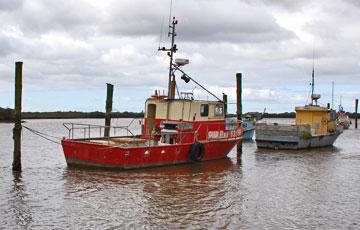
{"type": "Point", "coordinates": [225, 104]}
{"type": "Point", "coordinates": [109, 101]}
{"type": "Point", "coordinates": [356, 112]}
{"type": "Point", "coordinates": [239, 107]}
{"type": "Point", "coordinates": [16, 166]}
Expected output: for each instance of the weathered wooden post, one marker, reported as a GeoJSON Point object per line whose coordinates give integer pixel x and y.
{"type": "Point", "coordinates": [239, 107]}
{"type": "Point", "coordinates": [356, 112]}
{"type": "Point", "coordinates": [225, 104]}
{"type": "Point", "coordinates": [109, 101]}
{"type": "Point", "coordinates": [16, 166]}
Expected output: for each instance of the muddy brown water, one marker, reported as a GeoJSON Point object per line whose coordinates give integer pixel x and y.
{"type": "Point", "coordinates": [264, 189]}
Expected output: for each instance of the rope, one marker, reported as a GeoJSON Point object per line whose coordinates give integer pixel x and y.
{"type": "Point", "coordinates": [44, 135]}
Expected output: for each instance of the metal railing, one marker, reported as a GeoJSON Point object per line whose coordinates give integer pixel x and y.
{"type": "Point", "coordinates": [88, 130]}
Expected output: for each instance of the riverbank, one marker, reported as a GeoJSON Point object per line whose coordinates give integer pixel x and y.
{"type": "Point", "coordinates": [5, 122]}
{"type": "Point", "coordinates": [6, 115]}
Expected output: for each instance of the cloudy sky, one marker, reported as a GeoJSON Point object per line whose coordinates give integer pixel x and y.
{"type": "Point", "coordinates": [72, 48]}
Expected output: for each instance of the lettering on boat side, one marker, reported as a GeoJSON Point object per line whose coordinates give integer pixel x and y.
{"type": "Point", "coordinates": [224, 134]}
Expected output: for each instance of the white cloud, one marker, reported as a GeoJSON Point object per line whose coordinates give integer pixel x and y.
{"type": "Point", "coordinates": [87, 43]}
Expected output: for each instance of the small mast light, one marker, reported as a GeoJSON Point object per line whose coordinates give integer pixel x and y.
{"type": "Point", "coordinates": [185, 78]}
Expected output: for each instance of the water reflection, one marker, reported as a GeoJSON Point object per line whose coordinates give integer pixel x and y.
{"type": "Point", "coordinates": [193, 191]}
{"type": "Point", "coordinates": [74, 175]}
{"type": "Point", "coordinates": [262, 154]}
{"type": "Point", "coordinates": [18, 204]}
{"type": "Point", "coordinates": [292, 182]}
{"type": "Point", "coordinates": [178, 194]}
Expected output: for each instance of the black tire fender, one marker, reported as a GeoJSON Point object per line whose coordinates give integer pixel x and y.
{"type": "Point", "coordinates": [197, 152]}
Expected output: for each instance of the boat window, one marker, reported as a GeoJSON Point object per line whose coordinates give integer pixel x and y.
{"type": "Point", "coordinates": [204, 110]}
{"type": "Point", "coordinates": [219, 110]}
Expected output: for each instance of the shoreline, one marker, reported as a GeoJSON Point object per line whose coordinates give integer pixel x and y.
{"type": "Point", "coordinates": [6, 122]}
{"type": "Point", "coordinates": [55, 118]}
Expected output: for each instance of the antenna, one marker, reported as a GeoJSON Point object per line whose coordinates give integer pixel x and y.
{"type": "Point", "coordinates": [312, 86]}
{"type": "Point", "coordinates": [332, 96]}
{"type": "Point", "coordinates": [313, 75]}
{"type": "Point", "coordinates": [169, 33]}
{"type": "Point", "coordinates": [340, 106]}
{"type": "Point", "coordinates": [192, 91]}
{"type": "Point", "coordinates": [161, 32]}
{"type": "Point", "coordinates": [341, 101]}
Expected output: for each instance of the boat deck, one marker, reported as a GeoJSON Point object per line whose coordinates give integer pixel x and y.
{"type": "Point", "coordinates": [127, 142]}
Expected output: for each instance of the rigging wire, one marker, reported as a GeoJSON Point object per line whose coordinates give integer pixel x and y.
{"type": "Point", "coordinates": [44, 135]}
{"type": "Point", "coordinates": [197, 83]}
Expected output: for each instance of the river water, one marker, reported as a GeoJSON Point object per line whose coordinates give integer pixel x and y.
{"type": "Point", "coordinates": [264, 189]}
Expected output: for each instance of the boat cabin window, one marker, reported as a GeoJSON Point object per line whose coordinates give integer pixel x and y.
{"type": "Point", "coordinates": [204, 110]}
{"type": "Point", "coordinates": [219, 110]}
{"type": "Point", "coordinates": [168, 138]}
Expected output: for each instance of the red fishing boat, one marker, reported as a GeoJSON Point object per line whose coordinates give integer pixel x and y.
{"type": "Point", "coordinates": [175, 130]}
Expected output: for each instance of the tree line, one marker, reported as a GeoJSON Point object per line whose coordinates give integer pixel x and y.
{"type": "Point", "coordinates": [7, 114]}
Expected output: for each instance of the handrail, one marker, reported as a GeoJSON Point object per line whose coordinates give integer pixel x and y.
{"type": "Point", "coordinates": [132, 121]}
{"type": "Point", "coordinates": [87, 127]}
{"type": "Point", "coordinates": [88, 130]}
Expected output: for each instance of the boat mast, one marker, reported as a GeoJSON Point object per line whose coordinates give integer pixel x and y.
{"type": "Point", "coordinates": [176, 67]}
{"type": "Point", "coordinates": [332, 96]}
{"type": "Point", "coordinates": [340, 106]}
{"type": "Point", "coordinates": [313, 73]}
{"type": "Point", "coordinates": [170, 53]}
{"type": "Point", "coordinates": [312, 87]}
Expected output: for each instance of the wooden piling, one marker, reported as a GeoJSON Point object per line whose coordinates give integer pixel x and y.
{"type": "Point", "coordinates": [356, 112]}
{"type": "Point", "coordinates": [16, 166]}
{"type": "Point", "coordinates": [239, 106]}
{"type": "Point", "coordinates": [225, 104]}
{"type": "Point", "coordinates": [109, 101]}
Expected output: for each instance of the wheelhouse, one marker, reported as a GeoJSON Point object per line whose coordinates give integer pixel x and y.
{"type": "Point", "coordinates": [181, 110]}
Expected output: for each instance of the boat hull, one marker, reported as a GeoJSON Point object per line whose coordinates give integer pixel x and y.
{"type": "Point", "coordinates": [248, 134]}
{"type": "Point", "coordinates": [313, 142]}
{"type": "Point", "coordinates": [291, 137]}
{"type": "Point", "coordinates": [248, 129]}
{"type": "Point", "coordinates": [88, 154]}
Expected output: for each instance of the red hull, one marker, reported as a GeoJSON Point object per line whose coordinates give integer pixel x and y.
{"type": "Point", "coordinates": [84, 153]}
